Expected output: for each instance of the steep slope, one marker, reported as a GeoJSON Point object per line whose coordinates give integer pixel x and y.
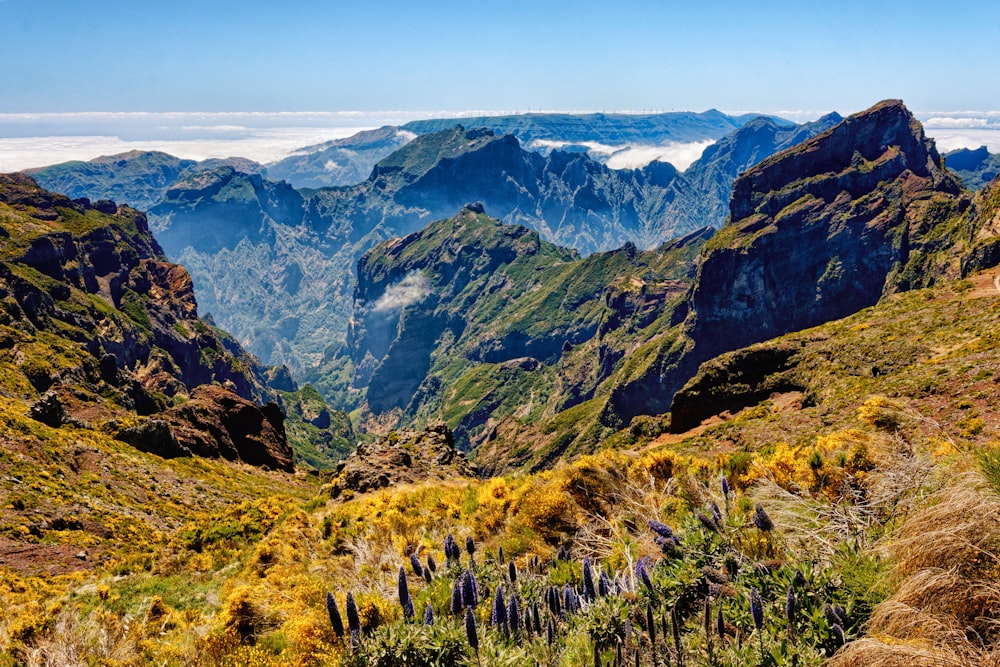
{"type": "Point", "coordinates": [94, 315]}
{"type": "Point", "coordinates": [273, 265]}
{"type": "Point", "coordinates": [339, 162]}
{"type": "Point", "coordinates": [710, 178]}
{"type": "Point", "coordinates": [817, 232]}
{"type": "Point", "coordinates": [473, 321]}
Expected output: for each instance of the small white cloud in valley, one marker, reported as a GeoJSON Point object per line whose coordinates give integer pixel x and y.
{"type": "Point", "coordinates": [413, 288]}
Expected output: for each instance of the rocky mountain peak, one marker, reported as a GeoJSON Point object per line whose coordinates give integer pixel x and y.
{"type": "Point", "coordinates": [877, 144]}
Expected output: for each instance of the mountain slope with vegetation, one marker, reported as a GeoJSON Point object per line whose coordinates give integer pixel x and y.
{"type": "Point", "coordinates": [844, 491]}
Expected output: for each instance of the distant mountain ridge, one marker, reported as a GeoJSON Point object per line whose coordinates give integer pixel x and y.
{"type": "Point", "coordinates": [976, 167]}
{"type": "Point", "coordinates": [349, 161]}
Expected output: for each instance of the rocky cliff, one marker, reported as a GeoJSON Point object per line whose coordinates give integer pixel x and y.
{"type": "Point", "coordinates": [94, 314]}
{"type": "Point", "coordinates": [817, 232]}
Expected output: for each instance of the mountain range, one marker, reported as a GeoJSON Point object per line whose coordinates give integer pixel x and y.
{"type": "Point", "coordinates": [249, 242]}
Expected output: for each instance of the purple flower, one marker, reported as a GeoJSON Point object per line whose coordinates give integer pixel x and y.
{"type": "Point", "coordinates": [499, 616]}
{"type": "Point", "coordinates": [428, 614]}
{"type": "Point", "coordinates": [513, 615]}
{"type": "Point", "coordinates": [589, 590]}
{"type": "Point", "coordinates": [604, 584]}
{"type": "Point", "coordinates": [725, 487]}
{"type": "Point", "coordinates": [451, 551]}
{"type": "Point", "coordinates": [470, 590]}
{"type": "Point", "coordinates": [761, 519]}
{"type": "Point", "coordinates": [404, 595]}
{"type": "Point", "coordinates": [457, 599]}
{"type": "Point", "coordinates": [756, 608]}
{"type": "Point", "coordinates": [334, 612]}
{"type": "Point", "coordinates": [418, 569]}
{"type": "Point", "coordinates": [512, 571]}
{"type": "Point", "coordinates": [838, 635]}
{"type": "Point", "coordinates": [650, 624]}
{"type": "Point", "coordinates": [716, 513]}
{"type": "Point", "coordinates": [642, 572]}
{"type": "Point", "coordinates": [661, 529]}
{"type": "Point", "coordinates": [353, 620]}
{"type": "Point", "coordinates": [720, 623]}
{"type": "Point", "coordinates": [470, 630]}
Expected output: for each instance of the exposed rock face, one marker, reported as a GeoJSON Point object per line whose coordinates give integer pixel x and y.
{"type": "Point", "coordinates": [90, 286]}
{"type": "Point", "coordinates": [477, 322]}
{"type": "Point", "coordinates": [217, 423]}
{"type": "Point", "coordinates": [403, 457]}
{"type": "Point", "coordinates": [249, 242]}
{"type": "Point", "coordinates": [404, 298]}
{"type": "Point", "coordinates": [733, 381]}
{"type": "Point", "coordinates": [817, 232]}
{"type": "Point", "coordinates": [216, 209]}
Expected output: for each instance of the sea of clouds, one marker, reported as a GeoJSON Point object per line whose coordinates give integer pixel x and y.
{"type": "Point", "coordinates": [39, 139]}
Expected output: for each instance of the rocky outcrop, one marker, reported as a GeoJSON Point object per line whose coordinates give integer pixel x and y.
{"type": "Point", "coordinates": [217, 423]}
{"type": "Point", "coordinates": [817, 232]}
{"type": "Point", "coordinates": [402, 457]}
{"type": "Point", "coordinates": [216, 209]}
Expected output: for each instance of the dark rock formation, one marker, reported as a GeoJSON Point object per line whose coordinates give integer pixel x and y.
{"type": "Point", "coordinates": [217, 423]}
{"type": "Point", "coordinates": [153, 436]}
{"type": "Point", "coordinates": [48, 409]}
{"type": "Point", "coordinates": [403, 457]}
{"type": "Point", "coordinates": [92, 308]}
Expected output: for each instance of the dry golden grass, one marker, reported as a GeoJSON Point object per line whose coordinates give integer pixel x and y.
{"type": "Point", "coordinates": [946, 605]}
{"type": "Point", "coordinates": [871, 652]}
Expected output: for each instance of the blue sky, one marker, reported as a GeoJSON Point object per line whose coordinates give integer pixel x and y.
{"type": "Point", "coordinates": [224, 55]}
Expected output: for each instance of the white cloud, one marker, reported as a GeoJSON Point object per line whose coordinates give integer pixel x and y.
{"type": "Point", "coordinates": [330, 165]}
{"type": "Point", "coordinates": [949, 140]}
{"type": "Point", "coordinates": [633, 156]}
{"type": "Point", "coordinates": [262, 145]}
{"type": "Point", "coordinates": [413, 288]}
{"type": "Point", "coordinates": [964, 123]}
{"type": "Point", "coordinates": [677, 153]}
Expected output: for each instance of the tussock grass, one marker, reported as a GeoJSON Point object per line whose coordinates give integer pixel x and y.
{"type": "Point", "coordinates": [946, 604]}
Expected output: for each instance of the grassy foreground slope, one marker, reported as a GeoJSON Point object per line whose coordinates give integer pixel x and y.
{"type": "Point", "coordinates": [864, 487]}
